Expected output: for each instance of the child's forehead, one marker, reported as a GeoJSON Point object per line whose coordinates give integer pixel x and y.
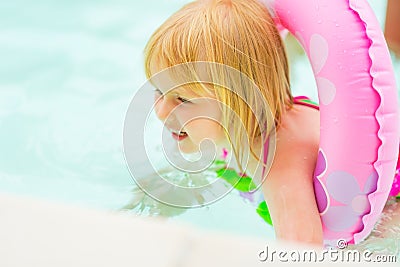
{"type": "Point", "coordinates": [179, 80]}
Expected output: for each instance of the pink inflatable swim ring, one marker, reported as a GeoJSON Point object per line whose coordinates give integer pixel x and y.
{"type": "Point", "coordinates": [358, 108]}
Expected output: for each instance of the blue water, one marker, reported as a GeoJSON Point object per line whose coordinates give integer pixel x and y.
{"type": "Point", "coordinates": [69, 70]}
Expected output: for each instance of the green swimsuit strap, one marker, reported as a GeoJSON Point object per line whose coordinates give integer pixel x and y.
{"type": "Point", "coordinates": [303, 100]}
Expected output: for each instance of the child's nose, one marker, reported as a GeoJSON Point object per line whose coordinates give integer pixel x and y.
{"type": "Point", "coordinates": [163, 108]}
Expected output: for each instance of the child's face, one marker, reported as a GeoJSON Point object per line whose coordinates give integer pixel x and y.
{"type": "Point", "coordinates": [189, 117]}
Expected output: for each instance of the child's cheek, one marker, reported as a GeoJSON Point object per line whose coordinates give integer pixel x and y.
{"type": "Point", "coordinates": [202, 128]}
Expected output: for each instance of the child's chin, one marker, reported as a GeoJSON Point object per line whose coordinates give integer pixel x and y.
{"type": "Point", "coordinates": [187, 148]}
{"type": "Point", "coordinates": [191, 148]}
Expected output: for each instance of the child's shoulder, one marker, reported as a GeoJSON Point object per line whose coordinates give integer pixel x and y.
{"type": "Point", "coordinates": [297, 139]}
{"type": "Point", "coordinates": [299, 125]}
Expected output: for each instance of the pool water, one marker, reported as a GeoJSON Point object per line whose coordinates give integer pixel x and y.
{"type": "Point", "coordinates": [70, 69]}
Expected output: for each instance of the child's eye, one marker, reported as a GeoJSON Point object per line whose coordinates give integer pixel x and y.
{"type": "Point", "coordinates": [183, 100]}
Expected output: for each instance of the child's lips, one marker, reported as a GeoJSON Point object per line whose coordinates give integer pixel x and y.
{"type": "Point", "coordinates": [179, 135]}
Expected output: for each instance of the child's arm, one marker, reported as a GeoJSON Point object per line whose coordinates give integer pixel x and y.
{"type": "Point", "coordinates": [289, 192]}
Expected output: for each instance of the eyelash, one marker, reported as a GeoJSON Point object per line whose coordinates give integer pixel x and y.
{"type": "Point", "coordinates": [158, 91]}
{"type": "Point", "coordinates": [183, 100]}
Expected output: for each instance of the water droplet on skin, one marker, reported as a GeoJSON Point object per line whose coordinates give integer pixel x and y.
{"type": "Point", "coordinates": [319, 21]}
{"type": "Point", "coordinates": [337, 25]}
{"type": "Point", "coordinates": [304, 158]}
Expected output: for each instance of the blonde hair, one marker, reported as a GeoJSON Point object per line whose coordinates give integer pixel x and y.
{"type": "Point", "coordinates": [242, 35]}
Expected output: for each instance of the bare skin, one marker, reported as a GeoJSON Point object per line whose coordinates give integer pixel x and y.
{"type": "Point", "coordinates": [288, 188]}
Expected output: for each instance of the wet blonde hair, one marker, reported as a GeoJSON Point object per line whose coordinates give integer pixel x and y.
{"type": "Point", "coordinates": [240, 34]}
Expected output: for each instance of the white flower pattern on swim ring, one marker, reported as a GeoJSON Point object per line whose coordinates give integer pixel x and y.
{"type": "Point", "coordinates": [355, 200]}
